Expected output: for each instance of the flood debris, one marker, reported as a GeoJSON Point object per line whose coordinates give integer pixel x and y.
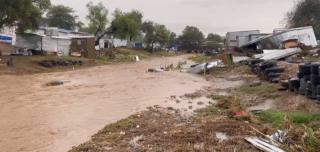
{"type": "Point", "coordinates": [55, 83]}
{"type": "Point", "coordinates": [263, 145]}
{"type": "Point", "coordinates": [155, 70]}
{"type": "Point", "coordinates": [278, 54]}
{"type": "Point", "coordinates": [202, 68]}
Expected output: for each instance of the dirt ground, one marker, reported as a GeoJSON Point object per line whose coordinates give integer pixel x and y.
{"type": "Point", "coordinates": [35, 117]}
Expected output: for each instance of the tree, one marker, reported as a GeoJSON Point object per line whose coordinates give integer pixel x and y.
{"type": "Point", "coordinates": [98, 20]}
{"type": "Point", "coordinates": [162, 35]}
{"type": "Point", "coordinates": [305, 13]}
{"type": "Point", "coordinates": [213, 41]}
{"type": "Point", "coordinates": [126, 25]}
{"type": "Point", "coordinates": [191, 38]}
{"type": "Point", "coordinates": [155, 34]}
{"type": "Point", "coordinates": [214, 37]}
{"type": "Point", "coordinates": [26, 14]}
{"type": "Point", "coordinates": [148, 29]}
{"type": "Point", "coordinates": [172, 38]}
{"type": "Point", "coordinates": [62, 17]}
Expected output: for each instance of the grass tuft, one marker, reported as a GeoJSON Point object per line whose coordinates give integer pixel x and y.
{"type": "Point", "coordinates": [279, 118]}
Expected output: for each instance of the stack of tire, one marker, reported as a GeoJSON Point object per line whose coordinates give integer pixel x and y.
{"type": "Point", "coordinates": [267, 70]}
{"type": "Point", "coordinates": [309, 80]}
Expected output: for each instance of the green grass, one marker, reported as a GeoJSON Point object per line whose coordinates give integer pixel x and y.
{"type": "Point", "coordinates": [201, 58]}
{"type": "Point", "coordinates": [123, 124]}
{"type": "Point", "coordinates": [208, 111]}
{"type": "Point", "coordinates": [217, 97]}
{"type": "Point", "coordinates": [269, 91]}
{"type": "Point", "coordinates": [279, 118]}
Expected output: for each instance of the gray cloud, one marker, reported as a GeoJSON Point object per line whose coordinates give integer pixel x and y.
{"type": "Point", "coordinates": [218, 16]}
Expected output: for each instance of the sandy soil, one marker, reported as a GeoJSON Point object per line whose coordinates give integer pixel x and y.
{"type": "Point", "coordinates": [35, 117]}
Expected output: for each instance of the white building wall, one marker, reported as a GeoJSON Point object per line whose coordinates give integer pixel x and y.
{"type": "Point", "coordinates": [9, 31]}
{"type": "Point", "coordinates": [56, 44]}
{"type": "Point", "coordinates": [237, 39]}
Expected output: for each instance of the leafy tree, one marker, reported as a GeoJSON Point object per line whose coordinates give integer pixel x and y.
{"type": "Point", "coordinates": [191, 38]}
{"type": "Point", "coordinates": [155, 34]}
{"type": "Point", "coordinates": [305, 13]}
{"type": "Point", "coordinates": [26, 14]}
{"type": "Point", "coordinates": [172, 38]}
{"type": "Point", "coordinates": [149, 30]}
{"type": "Point", "coordinates": [213, 41]}
{"type": "Point", "coordinates": [126, 25]}
{"type": "Point", "coordinates": [62, 17]}
{"type": "Point", "coordinates": [214, 37]}
{"type": "Point", "coordinates": [98, 20]}
{"type": "Point", "coordinates": [162, 35]}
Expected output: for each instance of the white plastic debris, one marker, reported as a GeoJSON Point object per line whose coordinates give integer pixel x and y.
{"type": "Point", "coordinates": [205, 66]}
{"type": "Point", "coordinates": [263, 145]}
{"type": "Point", "coordinates": [277, 54]}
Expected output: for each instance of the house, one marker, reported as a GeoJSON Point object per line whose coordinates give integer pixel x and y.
{"type": "Point", "coordinates": [7, 39]}
{"type": "Point", "coordinates": [43, 43]}
{"type": "Point", "coordinates": [52, 41]}
{"type": "Point", "coordinates": [276, 40]}
{"type": "Point", "coordinates": [111, 42]}
{"type": "Point", "coordinates": [238, 38]}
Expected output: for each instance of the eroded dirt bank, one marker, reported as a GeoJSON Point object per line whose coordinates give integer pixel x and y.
{"type": "Point", "coordinates": [35, 117]}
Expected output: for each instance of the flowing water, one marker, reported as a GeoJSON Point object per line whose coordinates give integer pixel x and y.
{"type": "Point", "coordinates": [35, 117]}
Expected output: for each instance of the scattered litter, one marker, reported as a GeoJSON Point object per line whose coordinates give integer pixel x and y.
{"type": "Point", "coordinates": [197, 69]}
{"type": "Point", "coordinates": [221, 136]}
{"type": "Point", "coordinates": [239, 59]}
{"type": "Point", "coordinates": [279, 136]}
{"type": "Point", "coordinates": [122, 133]}
{"type": "Point", "coordinates": [137, 58]}
{"type": "Point", "coordinates": [135, 141]}
{"type": "Point", "coordinates": [263, 145]}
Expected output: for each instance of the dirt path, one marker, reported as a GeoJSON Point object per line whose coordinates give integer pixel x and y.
{"type": "Point", "coordinates": [35, 117]}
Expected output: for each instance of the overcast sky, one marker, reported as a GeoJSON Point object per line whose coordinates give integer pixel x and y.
{"type": "Point", "coordinates": [216, 16]}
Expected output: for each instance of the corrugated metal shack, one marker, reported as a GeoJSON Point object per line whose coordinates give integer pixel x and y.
{"type": "Point", "coordinates": [47, 44]}
{"type": "Point", "coordinates": [85, 45]}
{"type": "Point", "coordinates": [304, 35]}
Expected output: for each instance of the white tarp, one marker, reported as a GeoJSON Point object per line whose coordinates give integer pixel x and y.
{"type": "Point", "coordinates": [277, 54]}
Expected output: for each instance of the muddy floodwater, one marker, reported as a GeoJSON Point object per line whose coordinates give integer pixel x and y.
{"type": "Point", "coordinates": [35, 117]}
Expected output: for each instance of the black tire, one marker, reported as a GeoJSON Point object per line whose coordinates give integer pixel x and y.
{"type": "Point", "coordinates": [274, 75]}
{"type": "Point", "coordinates": [274, 70]}
{"type": "Point", "coordinates": [267, 64]}
{"type": "Point", "coordinates": [307, 77]}
{"type": "Point", "coordinates": [275, 80]}
{"type": "Point", "coordinates": [305, 69]}
{"type": "Point", "coordinates": [315, 79]}
{"type": "Point", "coordinates": [285, 84]}
{"type": "Point", "coordinates": [300, 75]}
{"type": "Point", "coordinates": [315, 68]}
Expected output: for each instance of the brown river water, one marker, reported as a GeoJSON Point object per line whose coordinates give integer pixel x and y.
{"type": "Point", "coordinates": [37, 118]}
